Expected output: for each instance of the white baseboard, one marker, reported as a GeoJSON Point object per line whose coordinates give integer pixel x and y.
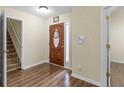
{"type": "Point", "coordinates": [117, 61]}
{"type": "Point", "coordinates": [46, 61]}
{"type": "Point", "coordinates": [32, 65]}
{"type": "Point", "coordinates": [86, 79]}
{"type": "Point", "coordinates": [67, 67]}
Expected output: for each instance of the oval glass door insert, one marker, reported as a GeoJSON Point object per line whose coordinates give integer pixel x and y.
{"type": "Point", "coordinates": [56, 38]}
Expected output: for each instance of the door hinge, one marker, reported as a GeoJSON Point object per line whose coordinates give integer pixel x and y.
{"type": "Point", "coordinates": [108, 17]}
{"type": "Point", "coordinates": [107, 45]}
{"type": "Point", "coordinates": [108, 74]}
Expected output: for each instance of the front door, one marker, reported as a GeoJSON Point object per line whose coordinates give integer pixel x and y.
{"type": "Point", "coordinates": [56, 33]}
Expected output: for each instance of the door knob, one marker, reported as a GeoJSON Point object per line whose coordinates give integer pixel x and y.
{"type": "Point", "coordinates": [62, 46]}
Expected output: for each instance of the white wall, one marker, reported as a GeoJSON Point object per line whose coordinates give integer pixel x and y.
{"type": "Point", "coordinates": [33, 36]}
{"type": "Point", "coordinates": [117, 35]}
{"type": "Point", "coordinates": [86, 57]}
{"type": "Point", "coordinates": [62, 18]}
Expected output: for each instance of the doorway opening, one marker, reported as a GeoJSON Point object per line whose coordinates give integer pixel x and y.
{"type": "Point", "coordinates": [59, 44]}
{"type": "Point", "coordinates": [116, 34]}
{"type": "Point", "coordinates": [14, 44]}
{"type": "Point", "coordinates": [113, 40]}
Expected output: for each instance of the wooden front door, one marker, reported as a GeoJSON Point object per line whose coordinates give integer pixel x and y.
{"type": "Point", "coordinates": [57, 44]}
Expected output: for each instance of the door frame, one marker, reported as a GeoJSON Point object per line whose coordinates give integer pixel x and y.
{"type": "Point", "coordinates": [22, 37]}
{"type": "Point", "coordinates": [4, 49]}
{"type": "Point", "coordinates": [70, 45]}
{"type": "Point", "coordinates": [69, 65]}
{"type": "Point", "coordinates": [105, 61]}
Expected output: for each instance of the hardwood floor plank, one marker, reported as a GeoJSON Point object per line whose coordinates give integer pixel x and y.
{"type": "Point", "coordinates": [44, 75]}
{"type": "Point", "coordinates": [33, 76]}
{"type": "Point", "coordinates": [117, 74]}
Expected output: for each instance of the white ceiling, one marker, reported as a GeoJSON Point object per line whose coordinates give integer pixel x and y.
{"type": "Point", "coordinates": [53, 10]}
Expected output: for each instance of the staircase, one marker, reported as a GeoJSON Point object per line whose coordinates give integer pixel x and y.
{"type": "Point", "coordinates": [12, 57]}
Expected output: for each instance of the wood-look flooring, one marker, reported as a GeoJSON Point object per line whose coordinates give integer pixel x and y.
{"type": "Point", "coordinates": [117, 74]}
{"type": "Point", "coordinates": [44, 75]}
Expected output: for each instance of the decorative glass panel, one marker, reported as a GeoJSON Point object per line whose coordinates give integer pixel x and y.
{"type": "Point", "coordinates": [56, 38]}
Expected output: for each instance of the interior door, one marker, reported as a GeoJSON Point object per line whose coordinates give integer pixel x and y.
{"type": "Point", "coordinates": [56, 33]}
{"type": "Point", "coordinates": [3, 49]}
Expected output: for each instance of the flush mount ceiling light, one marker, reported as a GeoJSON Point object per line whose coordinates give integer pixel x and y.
{"type": "Point", "coordinates": [43, 9]}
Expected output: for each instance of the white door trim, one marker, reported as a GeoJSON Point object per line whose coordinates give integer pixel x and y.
{"type": "Point", "coordinates": [70, 45]}
{"type": "Point", "coordinates": [67, 65]}
{"type": "Point", "coordinates": [5, 49]}
{"type": "Point", "coordinates": [105, 11]}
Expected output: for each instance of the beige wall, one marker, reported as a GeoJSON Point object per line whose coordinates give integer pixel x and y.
{"type": "Point", "coordinates": [62, 18]}
{"type": "Point", "coordinates": [117, 35]}
{"type": "Point", "coordinates": [86, 57]}
{"type": "Point", "coordinates": [33, 36]}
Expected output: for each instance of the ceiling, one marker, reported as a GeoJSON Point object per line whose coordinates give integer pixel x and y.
{"type": "Point", "coordinates": [53, 10]}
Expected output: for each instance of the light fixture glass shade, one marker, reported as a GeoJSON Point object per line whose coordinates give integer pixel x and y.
{"type": "Point", "coordinates": [43, 9]}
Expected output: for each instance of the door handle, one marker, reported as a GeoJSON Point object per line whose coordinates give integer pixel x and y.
{"type": "Point", "coordinates": [62, 46]}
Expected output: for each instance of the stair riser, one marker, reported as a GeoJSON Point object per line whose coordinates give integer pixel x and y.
{"type": "Point", "coordinates": [16, 66]}
{"type": "Point", "coordinates": [10, 64]}
{"type": "Point", "coordinates": [13, 66]}
{"type": "Point", "coordinates": [10, 47]}
{"type": "Point", "coordinates": [9, 43]}
{"type": "Point", "coordinates": [12, 51]}
{"type": "Point", "coordinates": [12, 69]}
{"type": "Point", "coordinates": [13, 61]}
{"type": "Point", "coordinates": [8, 39]}
{"type": "Point", "coordinates": [11, 56]}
